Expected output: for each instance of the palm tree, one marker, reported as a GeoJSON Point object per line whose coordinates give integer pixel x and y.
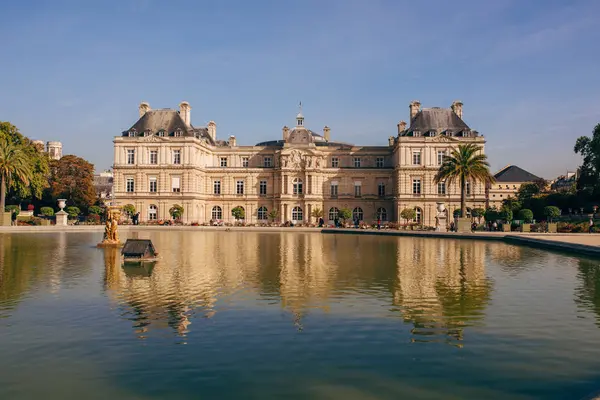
{"type": "Point", "coordinates": [464, 164]}
{"type": "Point", "coordinates": [14, 166]}
{"type": "Point", "coordinates": [317, 213]}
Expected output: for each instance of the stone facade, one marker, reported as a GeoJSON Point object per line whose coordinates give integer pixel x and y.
{"type": "Point", "coordinates": [163, 160]}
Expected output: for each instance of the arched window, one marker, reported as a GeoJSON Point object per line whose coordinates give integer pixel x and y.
{"type": "Point", "coordinates": [382, 214]}
{"type": "Point", "coordinates": [297, 214]}
{"type": "Point", "coordinates": [418, 215]}
{"type": "Point", "coordinates": [297, 186]}
{"type": "Point", "coordinates": [152, 212]}
{"type": "Point", "coordinates": [333, 213]}
{"type": "Point", "coordinates": [217, 213]}
{"type": "Point", "coordinates": [357, 213]}
{"type": "Point", "coordinates": [262, 213]}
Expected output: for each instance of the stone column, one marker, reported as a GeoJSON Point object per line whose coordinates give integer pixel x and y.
{"type": "Point", "coordinates": [284, 216]}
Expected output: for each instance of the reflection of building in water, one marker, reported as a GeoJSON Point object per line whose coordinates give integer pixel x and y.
{"type": "Point", "coordinates": [441, 286]}
{"type": "Point", "coordinates": [587, 295]}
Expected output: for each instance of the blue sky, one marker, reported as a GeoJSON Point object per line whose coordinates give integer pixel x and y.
{"type": "Point", "coordinates": [526, 71]}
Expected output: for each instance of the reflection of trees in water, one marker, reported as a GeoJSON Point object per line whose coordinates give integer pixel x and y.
{"type": "Point", "coordinates": [442, 288]}
{"type": "Point", "coordinates": [587, 295]}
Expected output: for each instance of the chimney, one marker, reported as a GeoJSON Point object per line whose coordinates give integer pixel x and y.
{"type": "Point", "coordinates": [144, 108]}
{"type": "Point", "coordinates": [327, 133]}
{"type": "Point", "coordinates": [286, 133]}
{"type": "Point", "coordinates": [184, 111]}
{"type": "Point", "coordinates": [232, 141]}
{"type": "Point", "coordinates": [391, 141]}
{"type": "Point", "coordinates": [401, 127]}
{"type": "Point", "coordinates": [415, 107]}
{"type": "Point", "coordinates": [212, 130]}
{"type": "Point", "coordinates": [457, 106]}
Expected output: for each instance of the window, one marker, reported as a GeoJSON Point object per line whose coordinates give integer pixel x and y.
{"type": "Point", "coordinates": [416, 159]}
{"type": "Point", "coordinates": [267, 162]}
{"type": "Point", "coordinates": [418, 215]}
{"type": "Point", "coordinates": [441, 188]}
{"type": "Point", "coordinates": [178, 133]}
{"type": "Point", "coordinates": [217, 187]}
{"type": "Point", "coordinates": [297, 214]}
{"type": "Point", "coordinates": [263, 188]}
{"type": "Point", "coordinates": [381, 189]}
{"type": "Point", "coordinates": [176, 184]}
{"type": "Point", "coordinates": [334, 189]}
{"type": "Point", "coordinates": [130, 186]}
{"type": "Point", "coordinates": [153, 185]}
{"type": "Point", "coordinates": [262, 213]}
{"type": "Point", "coordinates": [131, 133]}
{"type": "Point", "coordinates": [161, 133]}
{"type": "Point", "coordinates": [357, 213]}
{"type": "Point", "coordinates": [217, 213]}
{"type": "Point", "coordinates": [356, 162]}
{"type": "Point", "coordinates": [130, 156]}
{"type": "Point", "coordinates": [357, 189]}
{"type": "Point", "coordinates": [379, 162]}
{"type": "Point", "coordinates": [333, 213]}
{"type": "Point", "coordinates": [176, 156]}
{"type": "Point", "coordinates": [297, 186]}
{"type": "Point", "coordinates": [239, 187]}
{"type": "Point", "coordinates": [244, 162]}
{"type": "Point", "coordinates": [416, 186]}
{"type": "Point", "coordinates": [223, 161]}
{"type": "Point", "coordinates": [153, 156]}
{"type": "Point", "coordinates": [382, 214]}
{"type": "Point", "coordinates": [468, 188]}
{"type": "Point", "coordinates": [335, 162]}
{"type": "Point", "coordinates": [152, 212]}
{"type": "Point", "coordinates": [440, 156]}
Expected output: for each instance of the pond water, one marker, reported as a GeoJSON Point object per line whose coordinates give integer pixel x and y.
{"type": "Point", "coordinates": [296, 315]}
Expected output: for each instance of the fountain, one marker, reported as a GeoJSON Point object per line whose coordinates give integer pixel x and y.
{"type": "Point", "coordinates": [111, 236]}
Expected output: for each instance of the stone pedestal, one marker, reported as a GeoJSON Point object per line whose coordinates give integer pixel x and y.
{"type": "Point", "coordinates": [61, 218]}
{"type": "Point", "coordinates": [463, 225]}
{"type": "Point", "coordinates": [442, 223]}
{"type": "Point", "coordinates": [5, 219]}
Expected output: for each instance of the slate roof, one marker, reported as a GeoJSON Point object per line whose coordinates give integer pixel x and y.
{"type": "Point", "coordinates": [168, 120]}
{"type": "Point", "coordinates": [512, 173]}
{"type": "Point", "coordinates": [137, 248]}
{"type": "Point", "coordinates": [439, 120]}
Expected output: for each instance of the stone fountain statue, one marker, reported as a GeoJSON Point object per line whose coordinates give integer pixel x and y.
{"type": "Point", "coordinates": [111, 235]}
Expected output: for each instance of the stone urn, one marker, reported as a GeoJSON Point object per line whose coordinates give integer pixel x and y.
{"type": "Point", "coordinates": [62, 216]}
{"type": "Point", "coordinates": [62, 203]}
{"type": "Point", "coordinates": [440, 207]}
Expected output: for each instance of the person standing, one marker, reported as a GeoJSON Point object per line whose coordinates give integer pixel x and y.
{"type": "Point", "coordinates": [13, 218]}
{"type": "Point", "coordinates": [378, 223]}
{"type": "Point", "coordinates": [591, 228]}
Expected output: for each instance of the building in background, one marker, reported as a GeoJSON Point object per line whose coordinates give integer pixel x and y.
{"type": "Point", "coordinates": [54, 150]}
{"type": "Point", "coordinates": [163, 160]}
{"type": "Point", "coordinates": [103, 183]}
{"type": "Point", "coordinates": [508, 181]}
{"type": "Point", "coordinates": [565, 183]}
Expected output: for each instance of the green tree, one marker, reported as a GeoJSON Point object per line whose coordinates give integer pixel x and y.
{"type": "Point", "coordinates": [478, 213]}
{"type": "Point", "coordinates": [408, 214]}
{"type": "Point", "coordinates": [72, 178]}
{"type": "Point", "coordinates": [551, 212]}
{"type": "Point", "coordinates": [512, 203]}
{"type": "Point", "coordinates": [345, 214]}
{"type": "Point", "coordinates": [527, 191]}
{"type": "Point", "coordinates": [238, 213]}
{"type": "Point", "coordinates": [273, 214]}
{"type": "Point", "coordinates": [525, 215]}
{"type": "Point", "coordinates": [506, 214]}
{"type": "Point", "coordinates": [13, 209]}
{"type": "Point", "coordinates": [73, 211]}
{"type": "Point", "coordinates": [129, 209]}
{"type": "Point", "coordinates": [465, 163]}
{"type": "Point", "coordinates": [47, 211]}
{"type": "Point", "coordinates": [589, 148]}
{"type": "Point", "coordinates": [456, 213]}
{"type": "Point", "coordinates": [95, 210]}
{"type": "Point", "coordinates": [491, 215]}
{"type": "Point", "coordinates": [176, 211]}
{"type": "Point", "coordinates": [14, 168]}
{"type": "Point", "coordinates": [317, 213]}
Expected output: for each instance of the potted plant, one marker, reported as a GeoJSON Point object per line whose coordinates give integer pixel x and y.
{"type": "Point", "coordinates": [507, 216]}
{"type": "Point", "coordinates": [47, 214]}
{"type": "Point", "coordinates": [526, 215]}
{"type": "Point", "coordinates": [551, 212]}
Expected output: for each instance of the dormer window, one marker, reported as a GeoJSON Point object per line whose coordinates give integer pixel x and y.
{"type": "Point", "coordinates": [178, 133]}
{"type": "Point", "coordinates": [161, 133]}
{"type": "Point", "coordinates": [147, 132]}
{"type": "Point", "coordinates": [416, 134]}
{"type": "Point", "coordinates": [131, 133]}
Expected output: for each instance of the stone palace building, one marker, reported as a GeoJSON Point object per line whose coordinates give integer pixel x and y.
{"type": "Point", "coordinates": [163, 160]}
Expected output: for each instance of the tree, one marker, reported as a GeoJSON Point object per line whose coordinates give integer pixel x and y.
{"type": "Point", "coordinates": [456, 213]}
{"type": "Point", "coordinates": [541, 183]}
{"type": "Point", "coordinates": [72, 178]}
{"type": "Point", "coordinates": [317, 213]}
{"type": "Point", "coordinates": [14, 168]}
{"type": "Point", "coordinates": [73, 211]}
{"type": "Point", "coordinates": [37, 161]}
{"type": "Point", "coordinates": [512, 203]}
{"type": "Point", "coordinates": [47, 211]}
{"type": "Point", "coordinates": [491, 215]}
{"type": "Point", "coordinates": [506, 214]}
{"type": "Point", "coordinates": [95, 210]}
{"type": "Point", "coordinates": [477, 213]}
{"type": "Point", "coordinates": [273, 214]}
{"type": "Point", "coordinates": [465, 163]}
{"type": "Point", "coordinates": [345, 214]}
{"type": "Point", "coordinates": [551, 212]}
{"type": "Point", "coordinates": [238, 213]}
{"type": "Point", "coordinates": [129, 209]}
{"type": "Point", "coordinates": [527, 191]}
{"type": "Point", "coordinates": [408, 214]}
{"type": "Point", "coordinates": [589, 148]}
{"type": "Point", "coordinates": [525, 215]}
{"type": "Point", "coordinates": [13, 209]}
{"type": "Point", "coordinates": [176, 211]}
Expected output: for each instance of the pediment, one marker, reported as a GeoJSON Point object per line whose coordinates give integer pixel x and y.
{"type": "Point", "coordinates": [153, 138]}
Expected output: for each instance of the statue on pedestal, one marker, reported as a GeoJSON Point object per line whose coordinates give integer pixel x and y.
{"type": "Point", "coordinates": [111, 236]}
{"type": "Point", "coordinates": [441, 219]}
